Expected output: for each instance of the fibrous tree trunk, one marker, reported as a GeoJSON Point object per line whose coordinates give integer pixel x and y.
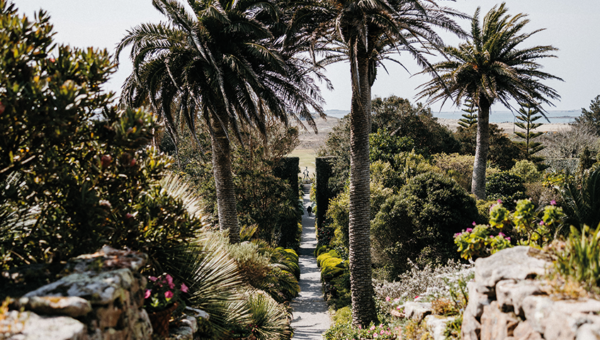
{"type": "Point", "coordinates": [482, 148]}
{"type": "Point", "coordinates": [221, 159]}
{"type": "Point", "coordinates": [363, 304]}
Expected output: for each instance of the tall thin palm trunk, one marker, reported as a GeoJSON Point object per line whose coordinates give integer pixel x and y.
{"type": "Point", "coordinates": [482, 148]}
{"type": "Point", "coordinates": [221, 159]}
{"type": "Point", "coordinates": [363, 305]}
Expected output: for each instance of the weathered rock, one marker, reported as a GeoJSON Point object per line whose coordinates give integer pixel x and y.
{"type": "Point", "coordinates": [198, 313]}
{"type": "Point", "coordinates": [105, 291]}
{"type": "Point", "coordinates": [564, 324]}
{"type": "Point", "coordinates": [98, 289]}
{"type": "Point", "coordinates": [436, 325]}
{"type": "Point", "coordinates": [496, 325]}
{"type": "Point", "coordinates": [30, 326]}
{"type": "Point", "coordinates": [69, 306]}
{"type": "Point", "coordinates": [524, 331]}
{"type": "Point", "coordinates": [509, 264]}
{"type": "Point", "coordinates": [417, 310]}
{"type": "Point", "coordinates": [471, 328]}
{"type": "Point", "coordinates": [510, 294]}
{"type": "Point", "coordinates": [108, 259]}
{"type": "Point", "coordinates": [536, 310]}
{"type": "Point", "coordinates": [477, 300]}
{"type": "Point", "coordinates": [588, 332]}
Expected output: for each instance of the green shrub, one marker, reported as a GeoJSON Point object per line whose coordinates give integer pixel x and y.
{"type": "Point", "coordinates": [332, 267]}
{"type": "Point", "coordinates": [73, 162]}
{"type": "Point", "coordinates": [527, 170]}
{"type": "Point", "coordinates": [320, 250]}
{"type": "Point", "coordinates": [343, 316]}
{"type": "Point", "coordinates": [420, 221]}
{"type": "Point", "coordinates": [506, 187]}
{"type": "Point", "coordinates": [483, 207]}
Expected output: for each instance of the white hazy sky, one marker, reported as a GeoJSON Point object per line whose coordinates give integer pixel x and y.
{"type": "Point", "coordinates": [571, 26]}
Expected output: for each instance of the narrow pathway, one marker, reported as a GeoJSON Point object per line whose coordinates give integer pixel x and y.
{"type": "Point", "coordinates": [310, 310]}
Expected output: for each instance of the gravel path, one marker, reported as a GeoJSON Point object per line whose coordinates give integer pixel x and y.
{"type": "Point", "coordinates": [310, 310]}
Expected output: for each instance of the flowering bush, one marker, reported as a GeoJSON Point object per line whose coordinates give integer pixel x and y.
{"type": "Point", "coordinates": [425, 284]}
{"type": "Point", "coordinates": [162, 292]}
{"type": "Point", "coordinates": [349, 332]}
{"type": "Point", "coordinates": [533, 227]}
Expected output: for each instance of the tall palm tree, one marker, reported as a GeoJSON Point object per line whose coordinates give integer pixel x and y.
{"type": "Point", "coordinates": [488, 68]}
{"type": "Point", "coordinates": [366, 32]}
{"type": "Point", "coordinates": [218, 64]}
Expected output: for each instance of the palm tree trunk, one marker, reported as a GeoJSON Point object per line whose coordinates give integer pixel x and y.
{"type": "Point", "coordinates": [363, 305]}
{"type": "Point", "coordinates": [221, 159]}
{"type": "Point", "coordinates": [482, 148]}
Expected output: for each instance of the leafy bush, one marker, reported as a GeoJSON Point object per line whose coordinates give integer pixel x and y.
{"type": "Point", "coordinates": [419, 222]}
{"type": "Point", "coordinates": [384, 147]}
{"type": "Point", "coordinates": [73, 162]}
{"type": "Point", "coordinates": [348, 331]}
{"type": "Point", "coordinates": [343, 316]}
{"type": "Point", "coordinates": [506, 187]}
{"type": "Point", "coordinates": [531, 227]}
{"type": "Point", "coordinates": [405, 166]}
{"type": "Point", "coordinates": [527, 170]}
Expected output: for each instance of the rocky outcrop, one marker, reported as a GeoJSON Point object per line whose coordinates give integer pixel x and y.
{"type": "Point", "coordinates": [506, 302]}
{"type": "Point", "coordinates": [102, 298]}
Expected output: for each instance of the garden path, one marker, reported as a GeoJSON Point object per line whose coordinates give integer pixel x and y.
{"type": "Point", "coordinates": [311, 319]}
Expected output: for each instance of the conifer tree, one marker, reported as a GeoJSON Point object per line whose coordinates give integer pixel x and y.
{"type": "Point", "coordinates": [528, 115]}
{"type": "Point", "coordinates": [470, 117]}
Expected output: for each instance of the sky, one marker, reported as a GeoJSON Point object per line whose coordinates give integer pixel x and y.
{"type": "Point", "coordinates": [571, 26]}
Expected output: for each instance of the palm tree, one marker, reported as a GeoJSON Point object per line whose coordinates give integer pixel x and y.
{"type": "Point", "coordinates": [365, 33]}
{"type": "Point", "coordinates": [488, 68]}
{"type": "Point", "coordinates": [217, 64]}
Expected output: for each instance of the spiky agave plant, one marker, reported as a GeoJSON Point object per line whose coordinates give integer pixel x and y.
{"type": "Point", "coordinates": [582, 199]}
{"type": "Point", "coordinates": [178, 188]}
{"type": "Point", "coordinates": [270, 320]}
{"type": "Point", "coordinates": [214, 282]}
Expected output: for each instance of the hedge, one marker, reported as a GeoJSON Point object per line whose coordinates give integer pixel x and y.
{"type": "Point", "coordinates": [323, 169]}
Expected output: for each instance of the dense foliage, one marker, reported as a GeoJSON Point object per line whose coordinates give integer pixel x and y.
{"type": "Point", "coordinates": [78, 168]}
{"type": "Point", "coordinates": [419, 222]}
{"type": "Point", "coordinates": [506, 187]}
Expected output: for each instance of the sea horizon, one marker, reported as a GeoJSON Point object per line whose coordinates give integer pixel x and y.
{"type": "Point", "coordinates": [555, 116]}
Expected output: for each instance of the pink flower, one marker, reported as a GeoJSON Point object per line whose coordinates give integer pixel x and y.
{"type": "Point", "coordinates": [553, 202]}
{"type": "Point", "coordinates": [541, 222]}
{"type": "Point", "coordinates": [148, 293]}
{"type": "Point", "coordinates": [457, 235]}
{"type": "Point", "coordinates": [508, 238]}
{"type": "Point", "coordinates": [152, 278]}
{"type": "Point", "coordinates": [184, 288]}
{"type": "Point", "coordinates": [500, 201]}
{"type": "Point", "coordinates": [501, 234]}
{"type": "Point", "coordinates": [168, 294]}
{"type": "Point", "coordinates": [170, 281]}
{"type": "Point", "coordinates": [469, 230]}
{"type": "Point", "coordinates": [387, 299]}
{"type": "Point", "coordinates": [398, 308]}
{"type": "Point", "coordinates": [491, 236]}
{"type": "Point", "coordinates": [359, 327]}
{"type": "Point", "coordinates": [375, 335]}
{"type": "Point", "coordinates": [372, 327]}
{"type": "Point", "coordinates": [474, 224]}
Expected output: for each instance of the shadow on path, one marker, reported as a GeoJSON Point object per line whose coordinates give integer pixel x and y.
{"type": "Point", "coordinates": [310, 318]}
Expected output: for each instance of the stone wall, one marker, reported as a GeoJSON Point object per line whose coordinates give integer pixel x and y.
{"type": "Point", "coordinates": [507, 302]}
{"type": "Point", "coordinates": [101, 298]}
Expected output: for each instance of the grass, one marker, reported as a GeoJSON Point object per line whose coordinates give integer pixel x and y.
{"type": "Point", "coordinates": [307, 160]}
